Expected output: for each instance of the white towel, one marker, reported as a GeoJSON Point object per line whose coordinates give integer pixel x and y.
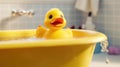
{"type": "Point", "coordinates": [87, 6]}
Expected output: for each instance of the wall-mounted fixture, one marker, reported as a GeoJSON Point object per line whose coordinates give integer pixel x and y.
{"type": "Point", "coordinates": [28, 13]}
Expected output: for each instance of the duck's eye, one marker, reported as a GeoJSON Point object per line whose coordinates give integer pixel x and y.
{"type": "Point", "coordinates": [50, 17]}
{"type": "Point", "coordinates": [61, 15]}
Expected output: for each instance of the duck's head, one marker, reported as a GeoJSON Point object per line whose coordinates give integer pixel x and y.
{"type": "Point", "coordinates": [54, 19]}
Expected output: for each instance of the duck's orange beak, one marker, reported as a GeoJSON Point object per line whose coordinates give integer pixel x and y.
{"type": "Point", "coordinates": [57, 22]}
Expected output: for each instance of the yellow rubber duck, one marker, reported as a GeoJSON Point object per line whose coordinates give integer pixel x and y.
{"type": "Point", "coordinates": [54, 21]}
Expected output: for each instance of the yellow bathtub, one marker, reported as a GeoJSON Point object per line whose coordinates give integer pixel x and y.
{"type": "Point", "coordinates": [75, 52]}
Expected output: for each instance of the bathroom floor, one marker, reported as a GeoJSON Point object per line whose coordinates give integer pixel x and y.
{"type": "Point", "coordinates": [99, 60]}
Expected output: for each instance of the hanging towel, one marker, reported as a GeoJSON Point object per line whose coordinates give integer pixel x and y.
{"type": "Point", "coordinates": [88, 6]}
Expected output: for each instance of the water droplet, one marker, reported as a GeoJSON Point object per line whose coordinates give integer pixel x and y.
{"type": "Point", "coordinates": [104, 46]}
{"type": "Point", "coordinates": [107, 60]}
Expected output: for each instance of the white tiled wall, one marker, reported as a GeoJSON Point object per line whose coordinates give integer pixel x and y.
{"type": "Point", "coordinates": [108, 20]}
{"type": "Point", "coordinates": [40, 7]}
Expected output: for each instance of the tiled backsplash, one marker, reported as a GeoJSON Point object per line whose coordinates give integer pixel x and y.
{"type": "Point", "coordinates": [108, 20]}
{"type": "Point", "coordinates": [73, 16]}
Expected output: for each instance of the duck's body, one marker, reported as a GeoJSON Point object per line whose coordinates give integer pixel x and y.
{"type": "Point", "coordinates": [58, 34]}
{"type": "Point", "coordinates": [54, 21]}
